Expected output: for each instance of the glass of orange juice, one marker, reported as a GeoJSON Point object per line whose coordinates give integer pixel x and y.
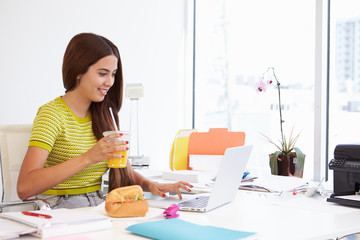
{"type": "Point", "coordinates": [118, 162]}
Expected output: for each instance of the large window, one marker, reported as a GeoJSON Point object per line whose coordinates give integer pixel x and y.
{"type": "Point", "coordinates": [344, 99]}
{"type": "Point", "coordinates": [236, 42]}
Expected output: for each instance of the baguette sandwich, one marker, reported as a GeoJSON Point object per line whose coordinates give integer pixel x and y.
{"type": "Point", "coordinates": [126, 202]}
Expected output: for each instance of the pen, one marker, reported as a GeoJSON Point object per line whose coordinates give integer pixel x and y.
{"type": "Point", "coordinates": [245, 174]}
{"type": "Point", "coordinates": [36, 214]}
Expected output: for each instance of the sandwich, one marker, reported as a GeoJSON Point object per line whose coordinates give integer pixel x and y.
{"type": "Point", "coordinates": [126, 202]}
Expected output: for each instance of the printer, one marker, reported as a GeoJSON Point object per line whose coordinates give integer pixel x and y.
{"type": "Point", "coordinates": [346, 169]}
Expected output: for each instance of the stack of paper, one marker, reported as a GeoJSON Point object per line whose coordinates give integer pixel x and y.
{"type": "Point", "coordinates": [11, 230]}
{"type": "Point", "coordinates": [181, 175]}
{"type": "Point", "coordinates": [274, 183]}
{"type": "Point", "coordinates": [205, 162]}
{"type": "Point", "coordinates": [63, 222]}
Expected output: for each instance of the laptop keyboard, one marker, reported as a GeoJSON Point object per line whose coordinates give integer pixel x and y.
{"type": "Point", "coordinates": [198, 202]}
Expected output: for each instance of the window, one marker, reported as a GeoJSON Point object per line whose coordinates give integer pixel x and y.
{"type": "Point", "coordinates": [236, 41]}
{"type": "Point", "coordinates": [344, 80]}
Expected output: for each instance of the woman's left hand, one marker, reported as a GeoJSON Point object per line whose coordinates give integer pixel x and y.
{"type": "Point", "coordinates": [161, 188]}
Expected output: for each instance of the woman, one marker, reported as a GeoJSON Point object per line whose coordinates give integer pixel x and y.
{"type": "Point", "coordinates": [67, 153]}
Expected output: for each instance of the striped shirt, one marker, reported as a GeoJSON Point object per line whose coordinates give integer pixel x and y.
{"type": "Point", "coordinates": [57, 129]}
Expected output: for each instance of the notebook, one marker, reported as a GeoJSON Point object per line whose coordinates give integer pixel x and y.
{"type": "Point", "coordinates": [226, 184]}
{"type": "Point", "coordinates": [63, 222]}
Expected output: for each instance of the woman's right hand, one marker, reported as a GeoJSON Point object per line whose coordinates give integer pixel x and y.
{"type": "Point", "coordinates": [105, 149]}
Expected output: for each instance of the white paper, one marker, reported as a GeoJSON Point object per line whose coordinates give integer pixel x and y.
{"type": "Point", "coordinates": [63, 222]}
{"type": "Point", "coordinates": [181, 175]}
{"type": "Point", "coordinates": [277, 184]}
{"type": "Point", "coordinates": [205, 162]}
{"type": "Point", "coordinates": [10, 229]}
{"type": "Point", "coordinates": [349, 197]}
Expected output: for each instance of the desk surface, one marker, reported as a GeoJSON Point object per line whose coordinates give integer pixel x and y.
{"type": "Point", "coordinates": [287, 217]}
{"type": "Point", "coordinates": [271, 216]}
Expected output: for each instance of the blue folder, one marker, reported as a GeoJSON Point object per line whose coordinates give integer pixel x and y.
{"type": "Point", "coordinates": [177, 229]}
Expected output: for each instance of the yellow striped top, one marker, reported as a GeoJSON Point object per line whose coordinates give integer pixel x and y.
{"type": "Point", "coordinates": [57, 129]}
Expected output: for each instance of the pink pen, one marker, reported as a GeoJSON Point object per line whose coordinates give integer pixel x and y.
{"type": "Point", "coordinates": [36, 214]}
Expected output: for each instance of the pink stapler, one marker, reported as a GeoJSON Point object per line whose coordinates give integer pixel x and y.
{"type": "Point", "coordinates": [171, 212]}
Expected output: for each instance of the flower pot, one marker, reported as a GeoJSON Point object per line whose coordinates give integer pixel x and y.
{"type": "Point", "coordinates": [287, 166]}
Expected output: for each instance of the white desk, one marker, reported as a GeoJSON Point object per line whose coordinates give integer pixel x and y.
{"type": "Point", "coordinates": [271, 217]}
{"type": "Point", "coordinates": [256, 212]}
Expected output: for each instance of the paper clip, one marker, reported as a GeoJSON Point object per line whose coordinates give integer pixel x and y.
{"type": "Point", "coordinates": [171, 212]}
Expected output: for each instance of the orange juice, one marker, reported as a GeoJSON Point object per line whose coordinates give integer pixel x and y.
{"type": "Point", "coordinates": [118, 162]}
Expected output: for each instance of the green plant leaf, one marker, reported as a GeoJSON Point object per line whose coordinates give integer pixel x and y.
{"type": "Point", "coordinates": [300, 159]}
{"type": "Point", "coordinates": [285, 149]}
{"type": "Point", "coordinates": [273, 162]}
{"type": "Point", "coordinates": [292, 140]}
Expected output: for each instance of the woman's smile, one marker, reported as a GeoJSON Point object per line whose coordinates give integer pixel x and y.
{"type": "Point", "coordinates": [104, 91]}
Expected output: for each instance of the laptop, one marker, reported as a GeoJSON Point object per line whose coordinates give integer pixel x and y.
{"type": "Point", "coordinates": [226, 184]}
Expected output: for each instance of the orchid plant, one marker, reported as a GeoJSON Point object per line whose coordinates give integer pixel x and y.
{"type": "Point", "coordinates": [286, 146]}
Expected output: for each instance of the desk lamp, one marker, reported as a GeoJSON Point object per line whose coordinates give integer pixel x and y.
{"type": "Point", "coordinates": [135, 92]}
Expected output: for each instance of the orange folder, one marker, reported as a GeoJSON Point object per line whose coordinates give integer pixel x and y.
{"type": "Point", "coordinates": [214, 142]}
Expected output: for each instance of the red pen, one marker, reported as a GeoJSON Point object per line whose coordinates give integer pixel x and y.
{"type": "Point", "coordinates": [36, 214]}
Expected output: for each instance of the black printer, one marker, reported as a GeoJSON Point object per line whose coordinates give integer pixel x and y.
{"type": "Point", "coordinates": [346, 168]}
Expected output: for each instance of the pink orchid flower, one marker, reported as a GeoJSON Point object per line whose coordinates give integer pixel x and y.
{"type": "Point", "coordinates": [261, 86]}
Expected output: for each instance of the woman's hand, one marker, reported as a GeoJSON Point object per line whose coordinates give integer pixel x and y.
{"type": "Point", "coordinates": [34, 178]}
{"type": "Point", "coordinates": [105, 149]}
{"type": "Point", "coordinates": [161, 188]}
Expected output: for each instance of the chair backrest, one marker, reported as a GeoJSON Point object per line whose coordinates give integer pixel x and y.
{"type": "Point", "coordinates": [14, 140]}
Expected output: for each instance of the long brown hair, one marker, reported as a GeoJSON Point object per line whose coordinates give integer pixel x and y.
{"type": "Point", "coordinates": [84, 50]}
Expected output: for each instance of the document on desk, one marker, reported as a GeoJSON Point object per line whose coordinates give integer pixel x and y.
{"type": "Point", "coordinates": [177, 229]}
{"type": "Point", "coordinates": [274, 183]}
{"type": "Point", "coordinates": [191, 176]}
{"type": "Point", "coordinates": [181, 175]}
{"type": "Point", "coordinates": [11, 230]}
{"type": "Point", "coordinates": [62, 222]}
{"type": "Point", "coordinates": [205, 162]}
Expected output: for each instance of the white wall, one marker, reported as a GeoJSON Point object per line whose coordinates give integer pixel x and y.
{"type": "Point", "coordinates": [150, 35]}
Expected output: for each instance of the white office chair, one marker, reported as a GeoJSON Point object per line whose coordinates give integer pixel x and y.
{"type": "Point", "coordinates": [14, 140]}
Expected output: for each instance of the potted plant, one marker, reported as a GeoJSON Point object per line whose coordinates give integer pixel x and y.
{"type": "Point", "coordinates": [287, 160]}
